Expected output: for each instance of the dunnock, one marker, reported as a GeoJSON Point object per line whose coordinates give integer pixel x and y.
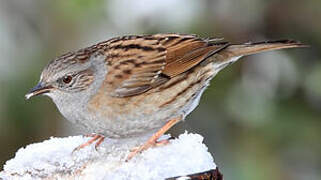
{"type": "Point", "coordinates": [133, 85]}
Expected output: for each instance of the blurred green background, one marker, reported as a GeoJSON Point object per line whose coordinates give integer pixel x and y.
{"type": "Point", "coordinates": [261, 117]}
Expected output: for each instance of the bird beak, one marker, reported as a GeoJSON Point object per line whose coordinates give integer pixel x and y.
{"type": "Point", "coordinates": [40, 88]}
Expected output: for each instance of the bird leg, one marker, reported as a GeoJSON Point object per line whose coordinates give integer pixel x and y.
{"type": "Point", "coordinates": [158, 144]}
{"type": "Point", "coordinates": [152, 141]}
{"type": "Point", "coordinates": [95, 137]}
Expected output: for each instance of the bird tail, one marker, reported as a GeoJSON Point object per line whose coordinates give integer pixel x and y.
{"type": "Point", "coordinates": [232, 52]}
{"type": "Point", "coordinates": [236, 50]}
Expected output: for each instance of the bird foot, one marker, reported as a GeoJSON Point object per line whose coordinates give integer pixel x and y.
{"type": "Point", "coordinates": [147, 145]}
{"type": "Point", "coordinates": [95, 137]}
{"type": "Point", "coordinates": [152, 141]}
{"type": "Point", "coordinates": [155, 144]}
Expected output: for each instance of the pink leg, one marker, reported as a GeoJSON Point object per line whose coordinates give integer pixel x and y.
{"type": "Point", "coordinates": [95, 137]}
{"type": "Point", "coordinates": [152, 141]}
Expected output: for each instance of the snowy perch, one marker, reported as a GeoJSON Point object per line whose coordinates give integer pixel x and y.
{"type": "Point", "coordinates": [53, 159]}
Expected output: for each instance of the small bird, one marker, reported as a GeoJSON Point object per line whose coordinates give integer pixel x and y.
{"type": "Point", "coordinates": [133, 85]}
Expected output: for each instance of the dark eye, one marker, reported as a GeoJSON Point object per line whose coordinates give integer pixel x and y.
{"type": "Point", "coordinates": [67, 79]}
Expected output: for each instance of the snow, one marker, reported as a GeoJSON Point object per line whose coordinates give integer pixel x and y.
{"type": "Point", "coordinates": [54, 158]}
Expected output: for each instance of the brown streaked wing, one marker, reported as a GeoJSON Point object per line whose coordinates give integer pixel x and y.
{"type": "Point", "coordinates": [134, 65]}
{"type": "Point", "coordinates": [186, 51]}
{"type": "Point", "coordinates": [139, 63]}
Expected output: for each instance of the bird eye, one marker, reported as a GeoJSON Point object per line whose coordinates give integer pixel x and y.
{"type": "Point", "coordinates": [67, 79]}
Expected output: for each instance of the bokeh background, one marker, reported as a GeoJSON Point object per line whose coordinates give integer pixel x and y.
{"type": "Point", "coordinates": [261, 117]}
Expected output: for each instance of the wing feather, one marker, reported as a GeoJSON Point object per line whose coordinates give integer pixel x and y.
{"type": "Point", "coordinates": [137, 64]}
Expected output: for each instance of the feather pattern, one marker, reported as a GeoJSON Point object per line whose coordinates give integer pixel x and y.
{"type": "Point", "coordinates": [139, 63]}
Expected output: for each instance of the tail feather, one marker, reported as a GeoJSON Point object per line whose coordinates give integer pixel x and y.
{"type": "Point", "coordinates": [235, 50]}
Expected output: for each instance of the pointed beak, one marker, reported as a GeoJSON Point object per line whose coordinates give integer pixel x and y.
{"type": "Point", "coordinates": [40, 88]}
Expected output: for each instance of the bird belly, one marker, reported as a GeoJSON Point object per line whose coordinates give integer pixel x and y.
{"type": "Point", "coordinates": [149, 111]}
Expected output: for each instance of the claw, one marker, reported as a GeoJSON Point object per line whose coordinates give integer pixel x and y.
{"type": "Point", "coordinates": [152, 141]}
{"type": "Point", "coordinates": [95, 137]}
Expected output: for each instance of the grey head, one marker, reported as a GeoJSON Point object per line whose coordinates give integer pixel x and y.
{"type": "Point", "coordinates": [71, 79]}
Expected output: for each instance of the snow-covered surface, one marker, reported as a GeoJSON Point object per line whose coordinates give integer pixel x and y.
{"type": "Point", "coordinates": [53, 159]}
